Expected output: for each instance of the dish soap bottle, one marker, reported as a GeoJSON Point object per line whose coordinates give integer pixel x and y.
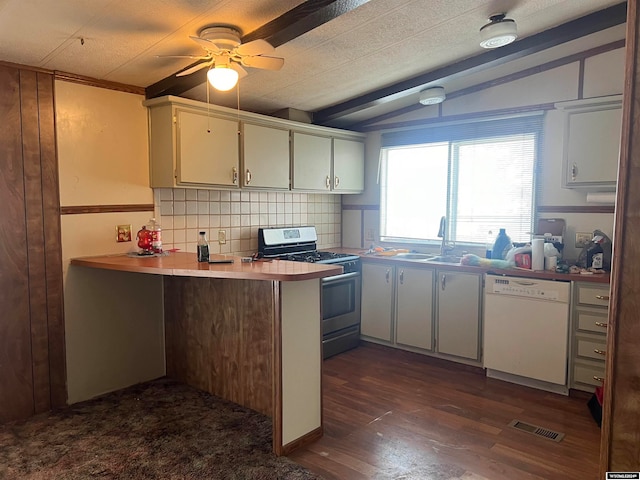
{"type": "Point", "coordinates": [203, 247]}
{"type": "Point", "coordinates": [489, 247]}
{"type": "Point", "coordinates": [501, 244]}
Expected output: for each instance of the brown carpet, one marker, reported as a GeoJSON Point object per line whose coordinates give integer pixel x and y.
{"type": "Point", "coordinates": [156, 430]}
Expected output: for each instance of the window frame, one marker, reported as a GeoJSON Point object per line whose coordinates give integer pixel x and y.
{"type": "Point", "coordinates": [485, 128]}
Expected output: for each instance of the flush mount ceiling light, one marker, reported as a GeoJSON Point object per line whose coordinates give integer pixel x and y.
{"type": "Point", "coordinates": [222, 77]}
{"type": "Point", "coordinates": [432, 95]}
{"type": "Point", "coordinates": [498, 32]}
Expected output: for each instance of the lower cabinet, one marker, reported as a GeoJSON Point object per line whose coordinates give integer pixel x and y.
{"type": "Point", "coordinates": [590, 314]}
{"type": "Point", "coordinates": [414, 307]}
{"type": "Point", "coordinates": [459, 313]}
{"type": "Point", "coordinates": [377, 302]}
{"type": "Point", "coordinates": [422, 309]}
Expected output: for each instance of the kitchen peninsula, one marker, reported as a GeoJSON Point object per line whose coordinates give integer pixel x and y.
{"type": "Point", "coordinates": [246, 332]}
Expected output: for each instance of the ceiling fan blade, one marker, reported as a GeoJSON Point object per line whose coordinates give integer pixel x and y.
{"type": "Point", "coordinates": [241, 71]}
{"type": "Point", "coordinates": [267, 63]}
{"type": "Point", "coordinates": [206, 44]}
{"type": "Point", "coordinates": [195, 57]}
{"type": "Point", "coordinates": [193, 69]}
{"type": "Point", "coordinates": [255, 47]}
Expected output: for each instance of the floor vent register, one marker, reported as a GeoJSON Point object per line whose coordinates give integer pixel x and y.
{"type": "Point", "coordinates": [538, 431]}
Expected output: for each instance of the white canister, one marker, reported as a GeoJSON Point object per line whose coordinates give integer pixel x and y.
{"type": "Point", "coordinates": [550, 263]}
{"type": "Point", "coordinates": [537, 254]}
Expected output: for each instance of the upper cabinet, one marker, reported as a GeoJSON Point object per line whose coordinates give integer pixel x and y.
{"type": "Point", "coordinates": [265, 157]}
{"type": "Point", "coordinates": [348, 165]}
{"type": "Point", "coordinates": [591, 149]}
{"type": "Point", "coordinates": [192, 148]}
{"type": "Point", "coordinates": [311, 162]}
{"type": "Point", "coordinates": [324, 163]}
{"type": "Point", "coordinates": [193, 144]}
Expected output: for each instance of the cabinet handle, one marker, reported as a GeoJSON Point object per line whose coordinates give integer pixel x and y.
{"type": "Point", "coordinates": [602, 324]}
{"type": "Point", "coordinates": [602, 297]}
{"type": "Point", "coordinates": [247, 177]}
{"type": "Point", "coordinates": [443, 282]}
{"type": "Point", "coordinates": [387, 274]}
{"type": "Point", "coordinates": [336, 182]}
{"type": "Point", "coordinates": [598, 379]}
{"type": "Point", "coordinates": [574, 171]}
{"type": "Point", "coordinates": [401, 277]}
{"type": "Point", "coordinates": [235, 176]}
{"type": "Point", "coordinates": [600, 352]}
{"type": "Point", "coordinates": [328, 182]}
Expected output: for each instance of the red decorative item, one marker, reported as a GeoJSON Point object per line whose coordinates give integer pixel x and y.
{"type": "Point", "coordinates": [145, 240]}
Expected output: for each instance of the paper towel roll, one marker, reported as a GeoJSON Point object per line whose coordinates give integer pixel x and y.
{"type": "Point", "coordinates": [601, 197]}
{"type": "Point", "coordinates": [537, 254]}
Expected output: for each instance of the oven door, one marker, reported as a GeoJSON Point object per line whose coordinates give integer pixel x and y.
{"type": "Point", "coordinates": [340, 312]}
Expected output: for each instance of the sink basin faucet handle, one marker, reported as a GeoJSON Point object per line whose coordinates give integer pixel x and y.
{"type": "Point", "coordinates": [443, 227]}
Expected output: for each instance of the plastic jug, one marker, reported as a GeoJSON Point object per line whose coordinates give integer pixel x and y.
{"type": "Point", "coordinates": [501, 245]}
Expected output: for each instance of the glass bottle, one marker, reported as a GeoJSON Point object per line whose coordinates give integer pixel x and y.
{"type": "Point", "coordinates": [156, 235]}
{"type": "Point", "coordinates": [203, 247]}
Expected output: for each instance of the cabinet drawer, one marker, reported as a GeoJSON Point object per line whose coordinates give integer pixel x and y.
{"type": "Point", "coordinates": [584, 373]}
{"type": "Point", "coordinates": [592, 320]}
{"type": "Point", "coordinates": [587, 346]}
{"type": "Point", "coordinates": [593, 295]}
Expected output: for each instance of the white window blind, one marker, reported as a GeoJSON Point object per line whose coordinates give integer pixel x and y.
{"type": "Point", "coordinates": [479, 175]}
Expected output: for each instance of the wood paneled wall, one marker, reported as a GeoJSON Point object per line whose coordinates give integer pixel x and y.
{"type": "Point", "coordinates": [219, 337]}
{"type": "Point", "coordinates": [32, 359]}
{"type": "Point", "coordinates": [620, 448]}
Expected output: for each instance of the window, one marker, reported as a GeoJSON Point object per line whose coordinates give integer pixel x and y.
{"type": "Point", "coordinates": [480, 176]}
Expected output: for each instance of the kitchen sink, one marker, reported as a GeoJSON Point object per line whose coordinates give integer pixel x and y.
{"type": "Point", "coordinates": [444, 259]}
{"type": "Point", "coordinates": [415, 256]}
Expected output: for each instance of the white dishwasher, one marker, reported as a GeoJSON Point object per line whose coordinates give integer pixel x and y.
{"type": "Point", "coordinates": [526, 328]}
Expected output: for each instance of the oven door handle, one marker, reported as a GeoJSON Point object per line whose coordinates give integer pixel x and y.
{"type": "Point", "coordinates": [339, 278]}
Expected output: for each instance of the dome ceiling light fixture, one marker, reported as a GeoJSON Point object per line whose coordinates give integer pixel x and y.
{"type": "Point", "coordinates": [500, 31]}
{"type": "Point", "coordinates": [432, 96]}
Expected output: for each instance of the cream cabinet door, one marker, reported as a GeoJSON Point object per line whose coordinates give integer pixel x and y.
{"type": "Point", "coordinates": [458, 313]}
{"type": "Point", "coordinates": [207, 149]}
{"type": "Point", "coordinates": [592, 145]}
{"type": "Point", "coordinates": [377, 301]}
{"type": "Point", "coordinates": [348, 166]}
{"type": "Point", "coordinates": [311, 162]}
{"type": "Point", "coordinates": [414, 307]}
{"type": "Point", "coordinates": [265, 157]}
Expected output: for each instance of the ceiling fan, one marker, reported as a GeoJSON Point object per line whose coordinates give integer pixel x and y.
{"type": "Point", "coordinates": [226, 56]}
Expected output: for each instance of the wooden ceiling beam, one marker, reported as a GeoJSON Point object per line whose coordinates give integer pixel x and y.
{"type": "Point", "coordinates": [292, 24]}
{"type": "Point", "coordinates": [592, 23]}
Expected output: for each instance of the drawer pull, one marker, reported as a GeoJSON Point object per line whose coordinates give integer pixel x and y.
{"type": "Point", "coordinates": [600, 352]}
{"type": "Point", "coordinates": [598, 379]}
{"type": "Point", "coordinates": [602, 297]}
{"type": "Point", "coordinates": [602, 324]}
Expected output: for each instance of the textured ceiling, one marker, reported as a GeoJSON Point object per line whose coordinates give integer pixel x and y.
{"type": "Point", "coordinates": [375, 45]}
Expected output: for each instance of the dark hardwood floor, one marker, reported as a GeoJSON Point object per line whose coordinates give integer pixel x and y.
{"type": "Point", "coordinates": [390, 414]}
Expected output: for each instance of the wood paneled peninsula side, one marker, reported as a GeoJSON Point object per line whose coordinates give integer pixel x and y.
{"type": "Point", "coordinates": [246, 332]}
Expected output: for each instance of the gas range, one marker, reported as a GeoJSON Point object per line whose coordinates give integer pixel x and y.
{"type": "Point", "coordinates": [340, 293]}
{"type": "Point", "coordinates": [299, 244]}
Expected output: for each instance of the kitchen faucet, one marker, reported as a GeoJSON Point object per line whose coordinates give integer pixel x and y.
{"type": "Point", "coordinates": [442, 233]}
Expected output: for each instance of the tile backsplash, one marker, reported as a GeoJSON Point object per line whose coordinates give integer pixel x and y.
{"type": "Point", "coordinates": [183, 213]}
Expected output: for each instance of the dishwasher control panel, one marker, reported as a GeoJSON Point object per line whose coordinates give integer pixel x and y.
{"type": "Point", "coordinates": [524, 287]}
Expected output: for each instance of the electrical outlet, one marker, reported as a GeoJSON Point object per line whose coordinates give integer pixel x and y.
{"type": "Point", "coordinates": [582, 239]}
{"type": "Point", "coordinates": [368, 235]}
{"type": "Point", "coordinates": [222, 237]}
{"type": "Point", "coordinates": [123, 233]}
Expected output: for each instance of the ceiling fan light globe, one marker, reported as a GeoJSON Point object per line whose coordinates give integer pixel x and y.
{"type": "Point", "coordinates": [222, 78]}
{"type": "Point", "coordinates": [498, 33]}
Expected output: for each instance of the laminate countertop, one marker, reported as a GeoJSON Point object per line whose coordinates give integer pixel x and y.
{"type": "Point", "coordinates": [186, 265]}
{"type": "Point", "coordinates": [514, 272]}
